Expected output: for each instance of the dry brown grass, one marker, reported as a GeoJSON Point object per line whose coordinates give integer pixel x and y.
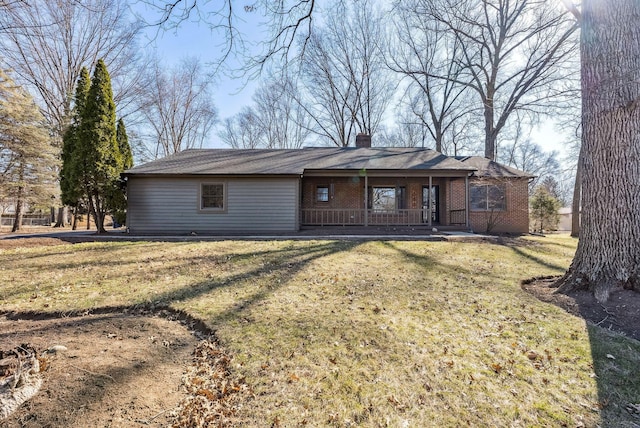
{"type": "Point", "coordinates": [332, 333]}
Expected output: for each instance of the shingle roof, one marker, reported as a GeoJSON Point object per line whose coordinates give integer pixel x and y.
{"type": "Point", "coordinates": [297, 161]}
{"type": "Point", "coordinates": [491, 169]}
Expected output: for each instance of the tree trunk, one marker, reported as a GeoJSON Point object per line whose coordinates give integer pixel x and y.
{"type": "Point", "coordinates": [489, 135]}
{"type": "Point", "coordinates": [90, 213]}
{"type": "Point", "coordinates": [576, 203]}
{"type": "Point", "coordinates": [17, 219]}
{"type": "Point", "coordinates": [74, 225]}
{"type": "Point", "coordinates": [98, 214]}
{"type": "Point", "coordinates": [62, 217]}
{"type": "Point", "coordinates": [608, 254]}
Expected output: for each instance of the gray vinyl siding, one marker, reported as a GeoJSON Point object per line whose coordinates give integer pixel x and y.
{"type": "Point", "coordinates": [158, 205]}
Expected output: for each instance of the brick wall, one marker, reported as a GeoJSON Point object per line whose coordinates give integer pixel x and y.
{"type": "Point", "coordinates": [515, 219]}
{"type": "Point", "coordinates": [348, 193]}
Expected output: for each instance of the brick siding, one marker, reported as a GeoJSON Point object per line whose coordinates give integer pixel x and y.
{"type": "Point", "coordinates": [515, 219]}
{"type": "Point", "coordinates": [348, 193]}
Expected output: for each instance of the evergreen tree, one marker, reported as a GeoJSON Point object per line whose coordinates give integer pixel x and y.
{"type": "Point", "coordinates": [73, 174]}
{"type": "Point", "coordinates": [544, 209]}
{"type": "Point", "coordinates": [99, 146]}
{"type": "Point", "coordinates": [27, 160]}
{"type": "Point", "coordinates": [123, 145]}
{"type": "Point", "coordinates": [118, 201]}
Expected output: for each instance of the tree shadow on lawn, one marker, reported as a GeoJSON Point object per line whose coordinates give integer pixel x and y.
{"type": "Point", "coordinates": [537, 260]}
{"type": "Point", "coordinates": [430, 264]}
{"type": "Point", "coordinates": [119, 258]}
{"type": "Point", "coordinates": [614, 337]}
{"type": "Point", "coordinates": [292, 261]}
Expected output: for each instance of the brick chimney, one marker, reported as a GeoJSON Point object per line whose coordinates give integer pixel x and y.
{"type": "Point", "coordinates": [363, 140]}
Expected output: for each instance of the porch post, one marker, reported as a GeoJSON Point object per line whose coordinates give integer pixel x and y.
{"type": "Point", "coordinates": [430, 201]}
{"type": "Point", "coordinates": [466, 201]}
{"type": "Point", "coordinates": [366, 200]}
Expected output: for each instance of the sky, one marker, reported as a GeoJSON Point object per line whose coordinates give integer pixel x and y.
{"type": "Point", "coordinates": [193, 38]}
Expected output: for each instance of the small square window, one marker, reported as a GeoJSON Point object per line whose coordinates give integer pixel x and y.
{"type": "Point", "coordinates": [322, 194]}
{"type": "Point", "coordinates": [212, 196]}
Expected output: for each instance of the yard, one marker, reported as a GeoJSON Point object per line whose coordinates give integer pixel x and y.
{"type": "Point", "coordinates": [310, 333]}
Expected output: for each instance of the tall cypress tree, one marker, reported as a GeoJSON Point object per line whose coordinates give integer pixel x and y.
{"type": "Point", "coordinates": [99, 146]}
{"type": "Point", "coordinates": [73, 174]}
{"type": "Point", "coordinates": [123, 145]}
{"type": "Point", "coordinates": [118, 201]}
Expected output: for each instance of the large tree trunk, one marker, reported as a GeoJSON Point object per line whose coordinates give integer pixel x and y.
{"type": "Point", "coordinates": [489, 134]}
{"type": "Point", "coordinates": [608, 254]}
{"type": "Point", "coordinates": [576, 204]}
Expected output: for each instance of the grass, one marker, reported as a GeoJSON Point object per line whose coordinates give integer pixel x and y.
{"type": "Point", "coordinates": [350, 333]}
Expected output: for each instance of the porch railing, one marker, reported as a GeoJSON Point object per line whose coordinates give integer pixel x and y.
{"type": "Point", "coordinates": [458, 216]}
{"type": "Point", "coordinates": [344, 217]}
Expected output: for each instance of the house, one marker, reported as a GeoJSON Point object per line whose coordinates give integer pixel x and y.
{"type": "Point", "coordinates": [215, 191]}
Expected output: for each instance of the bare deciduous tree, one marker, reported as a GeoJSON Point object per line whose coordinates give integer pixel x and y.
{"type": "Point", "coordinates": [178, 108]}
{"type": "Point", "coordinates": [242, 131]}
{"type": "Point", "coordinates": [284, 123]}
{"type": "Point", "coordinates": [347, 86]}
{"type": "Point", "coordinates": [48, 44]}
{"type": "Point", "coordinates": [286, 21]}
{"type": "Point", "coordinates": [275, 120]}
{"type": "Point", "coordinates": [429, 58]}
{"type": "Point", "coordinates": [513, 54]}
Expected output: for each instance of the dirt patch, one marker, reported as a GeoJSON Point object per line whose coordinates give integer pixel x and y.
{"type": "Point", "coordinates": [621, 313]}
{"type": "Point", "coordinates": [117, 369]}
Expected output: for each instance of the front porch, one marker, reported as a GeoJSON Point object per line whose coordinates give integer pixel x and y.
{"type": "Point", "coordinates": [387, 200]}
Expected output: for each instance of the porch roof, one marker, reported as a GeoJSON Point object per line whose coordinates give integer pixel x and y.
{"type": "Point", "coordinates": [297, 161]}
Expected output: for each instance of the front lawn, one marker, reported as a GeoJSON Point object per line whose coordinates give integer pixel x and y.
{"type": "Point", "coordinates": [352, 333]}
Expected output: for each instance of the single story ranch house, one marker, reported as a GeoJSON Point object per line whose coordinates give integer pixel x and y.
{"type": "Point", "coordinates": [218, 191]}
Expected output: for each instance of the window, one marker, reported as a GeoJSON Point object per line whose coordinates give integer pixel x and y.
{"type": "Point", "coordinates": [212, 196]}
{"type": "Point", "coordinates": [488, 197]}
{"type": "Point", "coordinates": [322, 194]}
{"type": "Point", "coordinates": [386, 199]}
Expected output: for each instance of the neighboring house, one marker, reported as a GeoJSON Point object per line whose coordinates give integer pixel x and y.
{"type": "Point", "coordinates": [564, 223]}
{"type": "Point", "coordinates": [214, 191]}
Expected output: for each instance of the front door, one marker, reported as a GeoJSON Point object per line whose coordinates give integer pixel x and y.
{"type": "Point", "coordinates": [435, 206]}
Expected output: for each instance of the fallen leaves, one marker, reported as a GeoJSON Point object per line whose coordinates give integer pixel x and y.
{"type": "Point", "coordinates": [214, 395]}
